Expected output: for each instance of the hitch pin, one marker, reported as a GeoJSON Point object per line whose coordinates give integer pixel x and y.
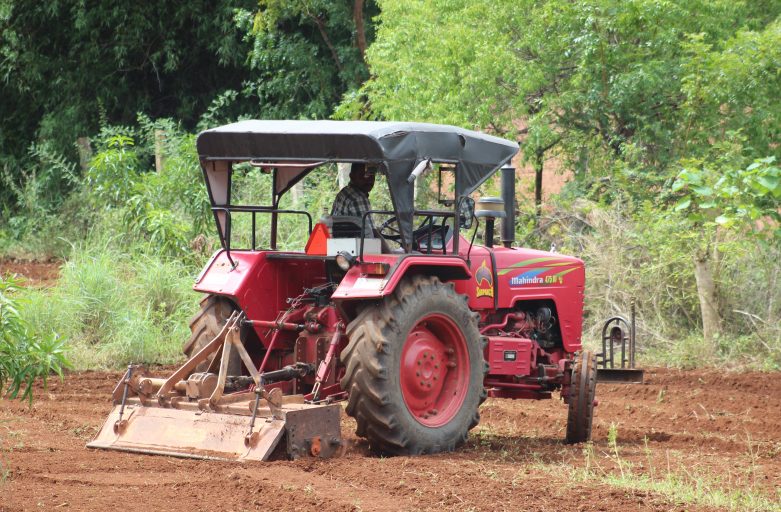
{"type": "Point", "coordinates": [248, 439]}
{"type": "Point", "coordinates": [128, 376]}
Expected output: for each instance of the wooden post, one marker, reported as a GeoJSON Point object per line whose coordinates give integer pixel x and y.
{"type": "Point", "coordinates": [85, 152]}
{"type": "Point", "coordinates": [159, 150]}
{"type": "Point", "coordinates": [298, 192]}
{"type": "Point", "coordinates": [344, 175]}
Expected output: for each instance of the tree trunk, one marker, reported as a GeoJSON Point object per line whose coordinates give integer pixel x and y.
{"type": "Point", "coordinates": [334, 54]}
{"type": "Point", "coordinates": [85, 152]}
{"type": "Point", "coordinates": [360, 30]}
{"type": "Point", "coordinates": [708, 295]}
{"type": "Point", "coordinates": [538, 166]}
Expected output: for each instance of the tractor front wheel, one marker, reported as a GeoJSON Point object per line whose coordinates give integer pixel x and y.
{"type": "Point", "coordinates": [581, 398]}
{"type": "Point", "coordinates": [414, 369]}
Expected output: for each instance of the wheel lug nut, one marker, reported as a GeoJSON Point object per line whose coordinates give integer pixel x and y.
{"type": "Point", "coordinates": [417, 374]}
{"type": "Point", "coordinates": [436, 367]}
{"type": "Point", "coordinates": [451, 364]}
{"type": "Point", "coordinates": [429, 384]}
{"type": "Point", "coordinates": [422, 383]}
{"type": "Point", "coordinates": [419, 363]}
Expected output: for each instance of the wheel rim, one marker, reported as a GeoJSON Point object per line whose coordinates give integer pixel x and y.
{"type": "Point", "coordinates": [434, 370]}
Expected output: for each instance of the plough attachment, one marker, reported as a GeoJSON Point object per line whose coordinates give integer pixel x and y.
{"type": "Point", "coordinates": [190, 415]}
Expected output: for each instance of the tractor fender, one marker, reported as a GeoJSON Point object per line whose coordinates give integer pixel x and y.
{"type": "Point", "coordinates": [358, 284]}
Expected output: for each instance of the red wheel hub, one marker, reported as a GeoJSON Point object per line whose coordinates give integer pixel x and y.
{"type": "Point", "coordinates": [434, 370]}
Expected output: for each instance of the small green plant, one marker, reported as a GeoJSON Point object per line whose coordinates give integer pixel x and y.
{"type": "Point", "coordinates": [679, 485]}
{"type": "Point", "coordinates": [612, 441]}
{"type": "Point", "coordinates": [25, 356]}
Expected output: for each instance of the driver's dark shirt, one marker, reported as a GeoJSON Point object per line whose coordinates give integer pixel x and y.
{"type": "Point", "coordinates": [352, 202]}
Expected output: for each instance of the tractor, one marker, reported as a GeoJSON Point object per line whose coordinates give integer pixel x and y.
{"type": "Point", "coordinates": [406, 324]}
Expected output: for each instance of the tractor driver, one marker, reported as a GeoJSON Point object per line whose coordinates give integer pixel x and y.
{"type": "Point", "coordinates": [353, 200]}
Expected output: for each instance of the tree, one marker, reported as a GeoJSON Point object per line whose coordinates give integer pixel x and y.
{"type": "Point", "coordinates": [730, 116]}
{"type": "Point", "coordinates": [597, 82]}
{"type": "Point", "coordinates": [718, 198]}
{"type": "Point", "coordinates": [306, 54]}
{"type": "Point", "coordinates": [65, 63]}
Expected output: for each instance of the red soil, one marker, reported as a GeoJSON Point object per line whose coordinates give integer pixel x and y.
{"type": "Point", "coordinates": [33, 273]}
{"type": "Point", "coordinates": [705, 422]}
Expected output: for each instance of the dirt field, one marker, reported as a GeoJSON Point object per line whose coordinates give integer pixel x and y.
{"type": "Point", "coordinates": [33, 273]}
{"type": "Point", "coordinates": [704, 427]}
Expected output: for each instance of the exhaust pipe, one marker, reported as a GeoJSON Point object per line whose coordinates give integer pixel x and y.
{"type": "Point", "coordinates": [508, 196]}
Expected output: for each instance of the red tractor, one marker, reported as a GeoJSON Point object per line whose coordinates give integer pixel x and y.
{"type": "Point", "coordinates": [411, 323]}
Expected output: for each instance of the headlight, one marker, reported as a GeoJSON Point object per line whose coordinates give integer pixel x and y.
{"type": "Point", "coordinates": [345, 260]}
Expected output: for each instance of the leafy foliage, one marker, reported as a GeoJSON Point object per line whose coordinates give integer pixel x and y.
{"type": "Point", "coordinates": [749, 197]}
{"type": "Point", "coordinates": [305, 54]}
{"type": "Point", "coordinates": [24, 356]}
{"type": "Point", "coordinates": [620, 90]}
{"type": "Point", "coordinates": [63, 62]}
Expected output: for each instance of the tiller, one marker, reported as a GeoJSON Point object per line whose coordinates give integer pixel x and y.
{"type": "Point", "coordinates": [215, 416]}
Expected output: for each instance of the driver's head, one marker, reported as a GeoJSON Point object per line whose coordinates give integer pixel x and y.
{"type": "Point", "coordinates": [362, 177]}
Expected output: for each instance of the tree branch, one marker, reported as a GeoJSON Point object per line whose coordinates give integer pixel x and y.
{"type": "Point", "coordinates": [321, 27]}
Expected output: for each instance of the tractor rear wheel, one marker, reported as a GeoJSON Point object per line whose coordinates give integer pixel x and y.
{"type": "Point", "coordinates": [414, 369]}
{"type": "Point", "coordinates": [581, 398]}
{"type": "Point", "coordinates": [205, 325]}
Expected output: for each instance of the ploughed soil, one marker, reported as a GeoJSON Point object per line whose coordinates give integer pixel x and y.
{"type": "Point", "coordinates": [705, 425]}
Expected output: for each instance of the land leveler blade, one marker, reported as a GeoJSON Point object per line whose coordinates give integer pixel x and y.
{"type": "Point", "coordinates": [189, 414]}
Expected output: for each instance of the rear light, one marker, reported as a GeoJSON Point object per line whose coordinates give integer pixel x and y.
{"type": "Point", "coordinates": [375, 269]}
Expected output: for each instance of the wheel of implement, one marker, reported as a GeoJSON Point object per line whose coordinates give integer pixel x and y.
{"type": "Point", "coordinates": [581, 398]}
{"type": "Point", "coordinates": [414, 369]}
{"type": "Point", "coordinates": [205, 325]}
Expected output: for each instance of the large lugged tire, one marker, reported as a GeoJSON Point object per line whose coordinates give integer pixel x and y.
{"type": "Point", "coordinates": [414, 369]}
{"type": "Point", "coordinates": [205, 325]}
{"type": "Point", "coordinates": [581, 398]}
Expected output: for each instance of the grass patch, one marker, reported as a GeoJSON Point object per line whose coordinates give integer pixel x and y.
{"type": "Point", "coordinates": [114, 309]}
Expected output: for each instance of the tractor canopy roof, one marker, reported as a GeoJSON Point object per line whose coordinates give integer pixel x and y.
{"type": "Point", "coordinates": [299, 146]}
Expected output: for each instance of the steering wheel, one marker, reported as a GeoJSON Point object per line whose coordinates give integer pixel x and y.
{"type": "Point", "coordinates": [389, 231]}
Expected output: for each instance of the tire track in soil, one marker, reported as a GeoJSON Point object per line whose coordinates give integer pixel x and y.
{"type": "Point", "coordinates": [702, 420]}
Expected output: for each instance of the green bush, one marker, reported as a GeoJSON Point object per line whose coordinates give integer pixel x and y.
{"type": "Point", "coordinates": [25, 355]}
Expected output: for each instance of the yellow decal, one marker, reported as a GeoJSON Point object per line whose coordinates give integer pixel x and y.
{"type": "Point", "coordinates": [485, 282]}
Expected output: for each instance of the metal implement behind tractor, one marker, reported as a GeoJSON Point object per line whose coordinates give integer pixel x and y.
{"type": "Point", "coordinates": [399, 313]}
{"type": "Point", "coordinates": [188, 414]}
